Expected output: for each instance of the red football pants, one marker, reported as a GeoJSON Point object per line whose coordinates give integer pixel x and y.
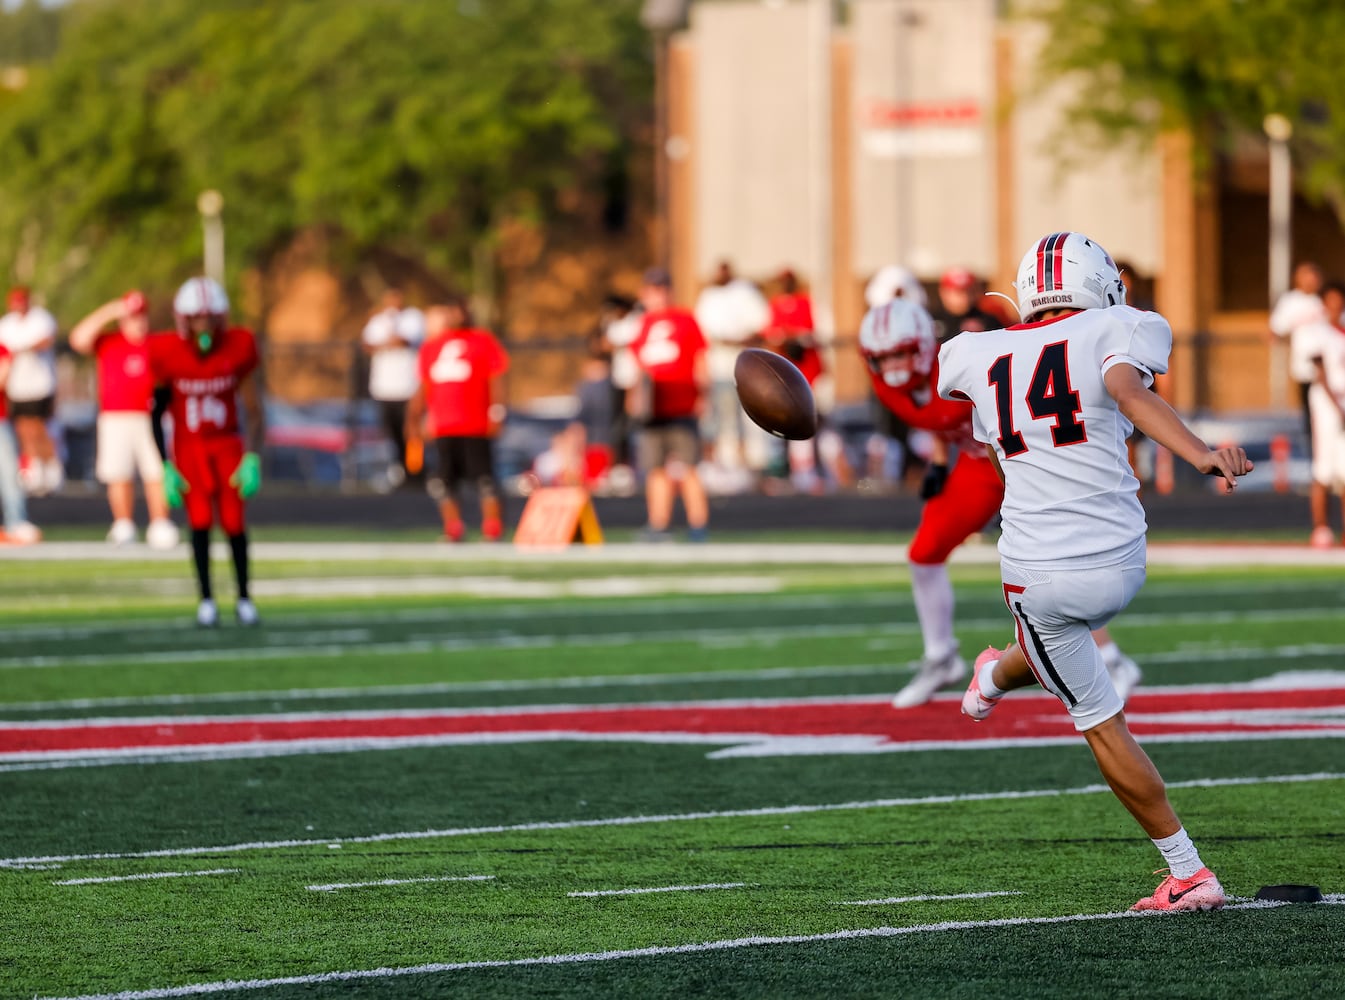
{"type": "Point", "coordinates": [970, 498]}
{"type": "Point", "coordinates": [206, 464]}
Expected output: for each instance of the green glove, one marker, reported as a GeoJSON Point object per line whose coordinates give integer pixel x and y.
{"type": "Point", "coordinates": [247, 478]}
{"type": "Point", "coordinates": [173, 485]}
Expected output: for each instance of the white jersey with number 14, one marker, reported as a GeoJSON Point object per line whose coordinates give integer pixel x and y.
{"type": "Point", "coordinates": [1070, 496]}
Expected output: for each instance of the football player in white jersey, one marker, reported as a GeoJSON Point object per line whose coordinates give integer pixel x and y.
{"type": "Point", "coordinates": [1054, 399]}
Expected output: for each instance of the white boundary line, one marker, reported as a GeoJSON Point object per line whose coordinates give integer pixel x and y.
{"type": "Point", "coordinates": [199, 989]}
{"type": "Point", "coordinates": [892, 900]}
{"type": "Point", "coordinates": [580, 824]}
{"type": "Point", "coordinates": [336, 886]}
{"type": "Point", "coordinates": [146, 875]}
{"type": "Point", "coordinates": [662, 888]}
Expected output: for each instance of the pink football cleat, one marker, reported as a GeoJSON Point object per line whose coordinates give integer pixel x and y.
{"type": "Point", "coordinates": [1201, 891]}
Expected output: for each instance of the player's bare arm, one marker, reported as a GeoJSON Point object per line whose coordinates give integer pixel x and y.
{"type": "Point", "coordinates": [1151, 413]}
{"type": "Point", "coordinates": [87, 331]}
{"type": "Point", "coordinates": [414, 428]}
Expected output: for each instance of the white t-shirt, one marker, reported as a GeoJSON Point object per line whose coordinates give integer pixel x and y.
{"type": "Point", "coordinates": [620, 334]}
{"type": "Point", "coordinates": [729, 315]}
{"type": "Point", "coordinates": [32, 374]}
{"type": "Point", "coordinates": [1294, 312]}
{"type": "Point", "coordinates": [393, 375]}
{"type": "Point", "coordinates": [1070, 497]}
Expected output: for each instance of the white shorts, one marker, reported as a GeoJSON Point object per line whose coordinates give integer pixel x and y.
{"type": "Point", "coordinates": [1055, 611]}
{"type": "Point", "coordinates": [126, 444]}
{"type": "Point", "coordinates": [1328, 439]}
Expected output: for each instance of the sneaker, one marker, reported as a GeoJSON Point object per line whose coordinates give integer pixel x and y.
{"type": "Point", "coordinates": [207, 615]}
{"type": "Point", "coordinates": [656, 536]}
{"type": "Point", "coordinates": [974, 704]}
{"type": "Point", "coordinates": [162, 535]}
{"type": "Point", "coordinates": [1201, 891]}
{"type": "Point", "coordinates": [929, 677]}
{"type": "Point", "coordinates": [454, 532]}
{"type": "Point", "coordinates": [1125, 674]}
{"type": "Point", "coordinates": [23, 533]}
{"type": "Point", "coordinates": [698, 535]}
{"type": "Point", "coordinates": [246, 613]}
{"type": "Point", "coordinates": [123, 532]}
{"type": "Point", "coordinates": [1322, 537]}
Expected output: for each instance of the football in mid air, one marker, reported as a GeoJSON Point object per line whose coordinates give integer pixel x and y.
{"type": "Point", "coordinates": [775, 394]}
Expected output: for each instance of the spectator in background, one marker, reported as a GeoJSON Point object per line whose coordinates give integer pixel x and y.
{"type": "Point", "coordinates": [1295, 310]}
{"type": "Point", "coordinates": [215, 466]}
{"type": "Point", "coordinates": [391, 338]}
{"type": "Point", "coordinates": [29, 332]}
{"type": "Point", "coordinates": [457, 405]}
{"type": "Point", "coordinates": [116, 334]}
{"type": "Point", "coordinates": [671, 351]}
{"type": "Point", "coordinates": [1325, 345]}
{"type": "Point", "coordinates": [960, 294]}
{"type": "Point", "coordinates": [731, 312]}
{"type": "Point", "coordinates": [18, 529]}
{"type": "Point", "coordinates": [581, 453]}
{"type": "Point", "coordinates": [620, 325]}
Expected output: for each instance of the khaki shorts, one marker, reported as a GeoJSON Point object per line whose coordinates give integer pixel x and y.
{"type": "Point", "coordinates": [659, 444]}
{"type": "Point", "coordinates": [125, 445]}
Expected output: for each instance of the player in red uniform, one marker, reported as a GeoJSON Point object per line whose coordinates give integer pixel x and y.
{"type": "Point", "coordinates": [457, 403]}
{"type": "Point", "coordinates": [899, 346]}
{"type": "Point", "coordinates": [208, 366]}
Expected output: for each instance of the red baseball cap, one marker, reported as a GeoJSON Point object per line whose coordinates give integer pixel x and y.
{"type": "Point", "coordinates": [959, 278]}
{"type": "Point", "coordinates": [135, 303]}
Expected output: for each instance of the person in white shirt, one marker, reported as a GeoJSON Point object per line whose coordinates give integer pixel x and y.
{"type": "Point", "coordinates": [392, 339]}
{"type": "Point", "coordinates": [1054, 400]}
{"type": "Point", "coordinates": [29, 332]}
{"type": "Point", "coordinates": [1325, 344]}
{"type": "Point", "coordinates": [731, 312]}
{"type": "Point", "coordinates": [1295, 311]}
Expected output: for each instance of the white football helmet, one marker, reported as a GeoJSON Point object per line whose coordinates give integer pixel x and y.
{"type": "Point", "coordinates": [1067, 271]}
{"type": "Point", "coordinates": [894, 282]}
{"type": "Point", "coordinates": [201, 308]}
{"type": "Point", "coordinates": [898, 325]}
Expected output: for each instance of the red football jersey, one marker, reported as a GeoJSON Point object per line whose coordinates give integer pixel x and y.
{"type": "Point", "coordinates": [456, 368]}
{"type": "Point", "coordinates": [791, 317]}
{"type": "Point", "coordinates": [666, 349]}
{"type": "Point", "coordinates": [949, 419]}
{"type": "Point", "coordinates": [205, 387]}
{"type": "Point", "coordinates": [125, 383]}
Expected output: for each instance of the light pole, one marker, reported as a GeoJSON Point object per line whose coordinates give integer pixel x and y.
{"type": "Point", "coordinates": [211, 206]}
{"type": "Point", "coordinates": [1278, 130]}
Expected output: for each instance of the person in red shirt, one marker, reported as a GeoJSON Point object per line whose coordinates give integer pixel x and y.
{"type": "Point", "coordinates": [209, 367]}
{"type": "Point", "coordinates": [457, 405]}
{"type": "Point", "coordinates": [667, 406]}
{"type": "Point", "coordinates": [900, 348]}
{"type": "Point", "coordinates": [126, 442]}
{"type": "Point", "coordinates": [18, 529]}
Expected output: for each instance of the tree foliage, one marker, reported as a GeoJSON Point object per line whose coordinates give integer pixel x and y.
{"type": "Point", "coordinates": [1216, 67]}
{"type": "Point", "coordinates": [410, 127]}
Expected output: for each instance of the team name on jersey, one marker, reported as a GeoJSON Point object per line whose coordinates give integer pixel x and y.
{"type": "Point", "coordinates": [205, 386]}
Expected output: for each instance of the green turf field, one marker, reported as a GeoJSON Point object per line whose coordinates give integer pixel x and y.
{"type": "Point", "coordinates": [500, 777]}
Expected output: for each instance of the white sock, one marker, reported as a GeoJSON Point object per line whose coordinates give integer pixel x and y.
{"type": "Point", "coordinates": [985, 680]}
{"type": "Point", "coordinates": [1111, 653]}
{"type": "Point", "coordinates": [1180, 854]}
{"type": "Point", "coordinates": [933, 594]}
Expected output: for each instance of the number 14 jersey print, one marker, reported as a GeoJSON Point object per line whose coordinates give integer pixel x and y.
{"type": "Point", "coordinates": [1040, 402]}
{"type": "Point", "coordinates": [205, 386]}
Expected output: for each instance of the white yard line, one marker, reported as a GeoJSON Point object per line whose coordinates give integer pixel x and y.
{"type": "Point", "coordinates": [662, 888]}
{"type": "Point", "coordinates": [579, 824]}
{"type": "Point", "coordinates": [146, 875]}
{"type": "Point", "coordinates": [337, 886]}
{"type": "Point", "coordinates": [736, 635]}
{"type": "Point", "coordinates": [892, 900]}
{"type": "Point", "coordinates": [199, 989]}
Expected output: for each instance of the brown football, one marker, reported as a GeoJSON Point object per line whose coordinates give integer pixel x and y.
{"type": "Point", "coordinates": [775, 394]}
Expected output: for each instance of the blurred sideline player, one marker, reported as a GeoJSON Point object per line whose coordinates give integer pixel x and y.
{"type": "Point", "coordinates": [898, 343]}
{"type": "Point", "coordinates": [209, 367]}
{"type": "Point", "coordinates": [461, 372]}
{"type": "Point", "coordinates": [116, 335]}
{"type": "Point", "coordinates": [1054, 398]}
